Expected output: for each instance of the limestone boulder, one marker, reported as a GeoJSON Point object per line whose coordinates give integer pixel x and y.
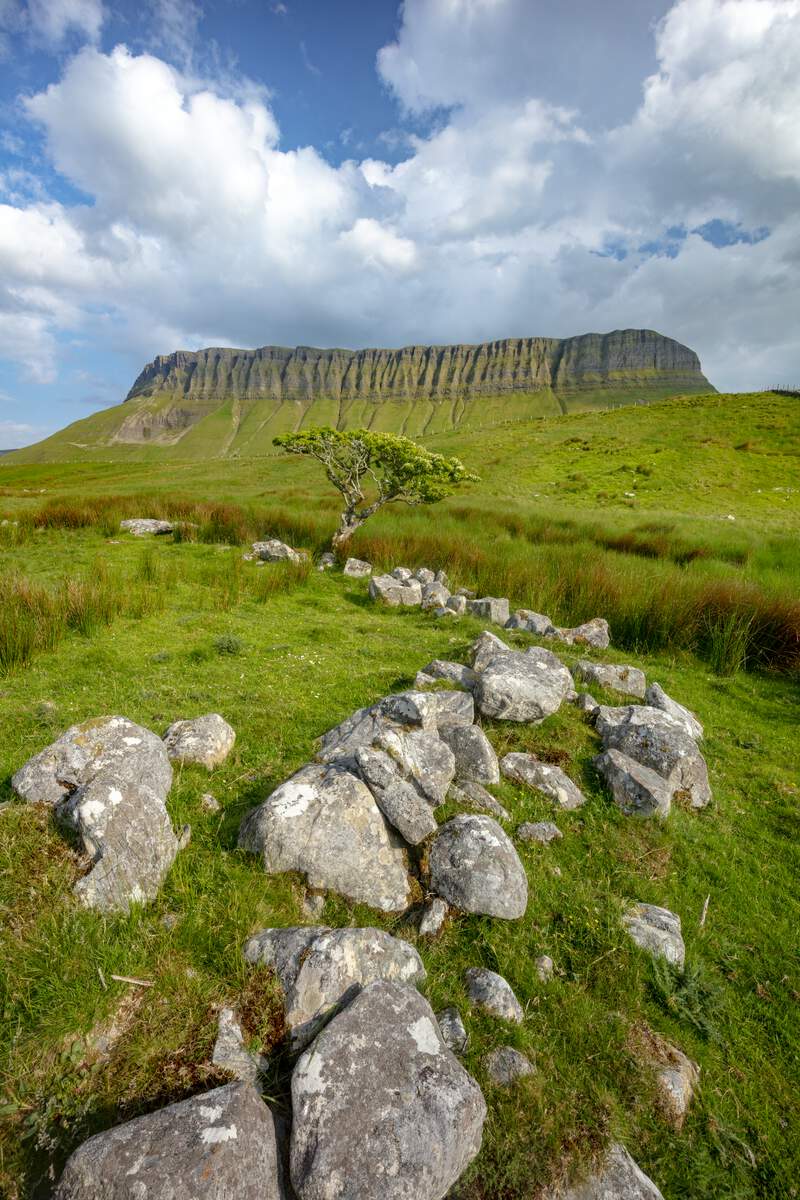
{"type": "Point", "coordinates": [656, 697]}
{"type": "Point", "coordinates": [458, 604]}
{"type": "Point", "coordinates": [484, 648]}
{"type": "Point", "coordinates": [543, 777]}
{"type": "Point", "coordinates": [474, 866]}
{"type": "Point", "coordinates": [489, 608]}
{"type": "Point", "coordinates": [471, 795]}
{"type": "Point", "coordinates": [528, 621]}
{"type": "Point", "coordinates": [381, 1106]}
{"type": "Point", "coordinates": [396, 593]}
{"type": "Point", "coordinates": [282, 949]}
{"type": "Point", "coordinates": [435, 595]}
{"type": "Point", "coordinates": [492, 993]}
{"type": "Point", "coordinates": [230, 1052]}
{"type": "Point", "coordinates": [146, 526]}
{"type": "Point", "coordinates": [676, 1079]}
{"type": "Point", "coordinates": [357, 568]}
{"type": "Point", "coordinates": [592, 633]}
{"type": "Point", "coordinates": [404, 709]}
{"type": "Point", "coordinates": [540, 832]}
{"type": "Point", "coordinates": [667, 749]}
{"type": "Point", "coordinates": [619, 1178]}
{"type": "Point", "coordinates": [656, 930]}
{"type": "Point", "coordinates": [206, 740]}
{"type": "Point", "coordinates": [515, 686]}
{"type": "Point", "coordinates": [637, 790]}
{"type": "Point", "coordinates": [433, 917]}
{"type": "Point", "coordinates": [505, 1065]}
{"type": "Point", "coordinates": [452, 1029]}
{"type": "Point", "coordinates": [401, 803]}
{"type": "Point", "coordinates": [626, 679]}
{"type": "Point", "coordinates": [451, 672]}
{"type": "Point", "coordinates": [422, 758]}
{"type": "Point", "coordinates": [473, 752]}
{"type": "Point", "coordinates": [274, 550]}
{"type": "Point", "coordinates": [425, 576]}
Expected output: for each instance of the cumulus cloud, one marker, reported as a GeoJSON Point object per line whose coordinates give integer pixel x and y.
{"type": "Point", "coordinates": [517, 214]}
{"type": "Point", "coordinates": [50, 22]}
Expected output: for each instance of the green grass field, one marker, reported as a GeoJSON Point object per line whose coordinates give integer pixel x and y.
{"type": "Point", "coordinates": [705, 605]}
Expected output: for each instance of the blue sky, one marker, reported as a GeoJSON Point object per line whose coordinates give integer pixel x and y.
{"type": "Point", "coordinates": [179, 173]}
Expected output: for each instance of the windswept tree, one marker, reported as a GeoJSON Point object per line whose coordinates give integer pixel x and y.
{"type": "Point", "coordinates": [374, 469]}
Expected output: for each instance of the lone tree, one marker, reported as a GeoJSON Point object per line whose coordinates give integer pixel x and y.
{"type": "Point", "coordinates": [373, 469]}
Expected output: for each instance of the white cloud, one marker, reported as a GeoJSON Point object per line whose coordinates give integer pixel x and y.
{"type": "Point", "coordinates": [52, 20]}
{"type": "Point", "coordinates": [14, 434]}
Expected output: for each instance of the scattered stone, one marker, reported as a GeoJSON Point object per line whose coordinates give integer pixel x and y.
{"type": "Point", "coordinates": [393, 592]}
{"type": "Point", "coordinates": [452, 672]}
{"type": "Point", "coordinates": [420, 757]}
{"type": "Point", "coordinates": [467, 593]}
{"type": "Point", "coordinates": [444, 612]}
{"type": "Point", "coordinates": [402, 573]}
{"type": "Point", "coordinates": [283, 949]}
{"type": "Point", "coordinates": [490, 608]}
{"type": "Point", "coordinates": [142, 526]}
{"type": "Point", "coordinates": [230, 1052]}
{"type": "Point", "coordinates": [628, 680]}
{"type": "Point", "coordinates": [366, 724]}
{"type": "Point", "coordinates": [676, 1081]}
{"type": "Point", "coordinates": [435, 595]}
{"type": "Point", "coordinates": [608, 718]}
{"type": "Point", "coordinates": [218, 1144]}
{"type": "Point", "coordinates": [618, 1179]}
{"type": "Point", "coordinates": [452, 1030]}
{"type": "Point", "coordinates": [399, 801]}
{"type": "Point", "coordinates": [424, 576]}
{"type": "Point", "coordinates": [473, 752]}
{"type": "Point", "coordinates": [433, 917]}
{"type": "Point", "coordinates": [656, 930]}
{"type": "Point", "coordinates": [637, 790]}
{"type": "Point", "coordinates": [656, 697]}
{"type": "Point", "coordinates": [273, 550]}
{"type": "Point", "coordinates": [545, 968]}
{"type": "Point", "coordinates": [586, 703]}
{"type": "Point", "coordinates": [458, 604]}
{"type": "Point", "coordinates": [204, 740]}
{"type": "Point", "coordinates": [493, 993]}
{"type": "Point", "coordinates": [452, 708]}
{"type": "Point", "coordinates": [442, 577]}
{"type": "Point", "coordinates": [544, 777]}
{"type": "Point", "coordinates": [474, 866]}
{"type": "Point", "coordinates": [326, 561]}
{"type": "Point", "coordinates": [522, 687]}
{"type": "Point", "coordinates": [666, 748]}
{"type": "Point", "coordinates": [209, 803]}
{"type": "Point", "coordinates": [473, 795]}
{"type": "Point", "coordinates": [381, 1106]}
{"type": "Point", "coordinates": [531, 622]}
{"type": "Point", "coordinates": [356, 568]}
{"type": "Point", "coordinates": [543, 832]}
{"type": "Point", "coordinates": [313, 904]}
{"type": "Point", "coordinates": [592, 633]}
{"type": "Point", "coordinates": [335, 967]}
{"type": "Point", "coordinates": [505, 1065]}
{"type": "Point", "coordinates": [484, 649]}
{"type": "Point", "coordinates": [324, 823]}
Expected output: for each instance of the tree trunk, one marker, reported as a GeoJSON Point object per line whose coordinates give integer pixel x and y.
{"type": "Point", "coordinates": [348, 524]}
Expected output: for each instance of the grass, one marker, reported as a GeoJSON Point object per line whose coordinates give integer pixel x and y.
{"type": "Point", "coordinates": [284, 652]}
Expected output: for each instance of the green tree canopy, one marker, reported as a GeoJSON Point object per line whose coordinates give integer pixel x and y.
{"type": "Point", "coordinates": [373, 469]}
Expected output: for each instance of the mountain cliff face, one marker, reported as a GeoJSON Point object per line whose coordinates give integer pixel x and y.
{"type": "Point", "coordinates": [221, 402]}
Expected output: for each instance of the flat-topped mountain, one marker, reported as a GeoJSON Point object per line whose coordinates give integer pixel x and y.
{"type": "Point", "coordinates": [220, 401]}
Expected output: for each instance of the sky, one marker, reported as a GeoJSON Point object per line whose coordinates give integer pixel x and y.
{"type": "Point", "coordinates": [185, 173]}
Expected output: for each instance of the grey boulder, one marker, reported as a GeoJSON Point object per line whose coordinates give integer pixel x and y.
{"type": "Point", "coordinates": [218, 1145]}
{"type": "Point", "coordinates": [676, 1080]}
{"type": "Point", "coordinates": [637, 790]}
{"type": "Point", "coordinates": [451, 672]}
{"type": "Point", "coordinates": [505, 1065]}
{"type": "Point", "coordinates": [230, 1052]}
{"type": "Point", "coordinates": [324, 823]}
{"type": "Point", "coordinates": [473, 796]}
{"type": "Point", "coordinates": [544, 777]}
{"type": "Point", "coordinates": [656, 930]}
{"type": "Point", "coordinates": [403, 709]}
{"type": "Point", "coordinates": [473, 752]}
{"type": "Point", "coordinates": [666, 748]}
{"type": "Point", "coordinates": [591, 633]}
{"type": "Point", "coordinates": [422, 758]}
{"type": "Point", "coordinates": [433, 917]}
{"type": "Point", "coordinates": [628, 680]}
{"type": "Point", "coordinates": [402, 573]}
{"type": "Point", "coordinates": [541, 832]}
{"type": "Point", "coordinates": [458, 604]}
{"type": "Point", "coordinates": [474, 866]}
{"type": "Point", "coordinates": [619, 1178]}
{"type": "Point", "coordinates": [404, 808]}
{"type": "Point", "coordinates": [356, 568]}
{"type": "Point", "coordinates": [205, 740]}
{"type": "Point", "coordinates": [452, 1029]}
{"type": "Point", "coordinates": [531, 622]}
{"type": "Point", "coordinates": [489, 608]}
{"type": "Point", "coordinates": [435, 595]}
{"type": "Point", "coordinates": [395, 592]}
{"type": "Point", "coordinates": [492, 993]}
{"type": "Point", "coordinates": [142, 526]}
{"type": "Point", "coordinates": [484, 649]}
{"type": "Point", "coordinates": [274, 550]}
{"type": "Point", "coordinates": [528, 686]}
{"type": "Point", "coordinates": [656, 697]}
{"type": "Point", "coordinates": [424, 576]}
{"type": "Point", "coordinates": [381, 1106]}
{"type": "Point", "coordinates": [282, 949]}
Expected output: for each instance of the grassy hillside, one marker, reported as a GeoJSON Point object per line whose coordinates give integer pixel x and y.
{"type": "Point", "coordinates": [102, 623]}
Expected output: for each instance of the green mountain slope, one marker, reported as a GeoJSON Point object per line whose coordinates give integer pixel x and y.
{"type": "Point", "coordinates": [231, 403]}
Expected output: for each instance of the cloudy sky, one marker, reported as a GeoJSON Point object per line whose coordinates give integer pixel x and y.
{"type": "Point", "coordinates": [183, 173]}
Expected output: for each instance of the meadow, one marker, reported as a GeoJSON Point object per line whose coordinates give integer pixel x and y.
{"type": "Point", "coordinates": [622, 514]}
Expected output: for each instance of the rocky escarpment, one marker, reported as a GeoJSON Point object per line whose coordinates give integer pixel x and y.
{"type": "Point", "coordinates": [635, 356]}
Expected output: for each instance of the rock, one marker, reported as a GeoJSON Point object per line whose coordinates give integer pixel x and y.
{"type": "Point", "coordinates": [545, 968]}
{"type": "Point", "coordinates": [543, 832]}
{"type": "Point", "coordinates": [458, 604]}
{"type": "Point", "coordinates": [452, 708]}
{"type": "Point", "coordinates": [505, 1065]}
{"type": "Point", "coordinates": [421, 758]}
{"type": "Point", "coordinates": [490, 608]}
{"type": "Point", "coordinates": [381, 1106]}
{"type": "Point", "coordinates": [337, 965]}
{"type": "Point", "coordinates": [324, 823]}
{"type": "Point", "coordinates": [209, 803]}
{"type": "Point", "coordinates": [442, 577]}
{"type": "Point", "coordinates": [544, 777]}
{"type": "Point", "coordinates": [326, 561]}
{"type": "Point", "coordinates": [531, 622]}
{"type": "Point", "coordinates": [204, 740]}
{"type": "Point", "coordinates": [273, 550]}
{"type": "Point", "coordinates": [400, 802]}
{"type": "Point", "coordinates": [467, 593]}
{"type": "Point", "coordinates": [493, 993]}
{"type": "Point", "coordinates": [656, 930]}
{"type": "Point", "coordinates": [607, 718]}
{"type": "Point", "coordinates": [402, 573]}
{"type": "Point", "coordinates": [676, 1080]}
{"type": "Point", "coordinates": [446, 613]}
{"type": "Point", "coordinates": [216, 1145]}
{"type": "Point", "coordinates": [473, 752]}
{"type": "Point", "coordinates": [435, 595]}
{"type": "Point", "coordinates": [313, 905]}
{"type": "Point", "coordinates": [521, 687]}
{"type": "Point", "coordinates": [230, 1052]}
{"type": "Point", "coordinates": [592, 633]}
{"type": "Point", "coordinates": [628, 680]}
{"type": "Point", "coordinates": [586, 703]}
{"type": "Point", "coordinates": [619, 1178]}
{"type": "Point", "coordinates": [473, 795]}
{"type": "Point", "coordinates": [637, 790]}
{"type": "Point", "coordinates": [656, 697]}
{"type": "Point", "coordinates": [283, 949]}
{"type": "Point", "coordinates": [418, 709]}
{"type": "Point", "coordinates": [474, 866]}
{"type": "Point", "coordinates": [391, 591]}
{"type": "Point", "coordinates": [452, 672]}
{"type": "Point", "coordinates": [484, 648]}
{"type": "Point", "coordinates": [142, 526]}
{"type": "Point", "coordinates": [452, 1030]}
{"type": "Point", "coordinates": [433, 917]}
{"type": "Point", "coordinates": [356, 568]}
{"type": "Point", "coordinates": [667, 749]}
{"type": "Point", "coordinates": [424, 576]}
{"type": "Point", "coordinates": [113, 747]}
